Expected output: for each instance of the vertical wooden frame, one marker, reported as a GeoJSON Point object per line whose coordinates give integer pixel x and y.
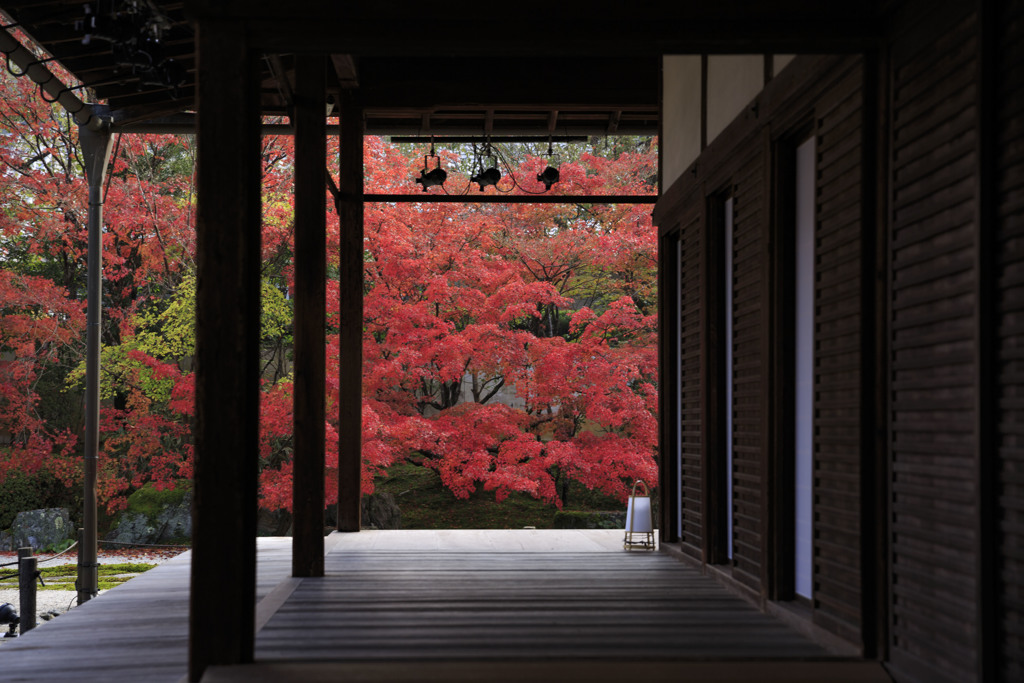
{"type": "Point", "coordinates": [310, 316]}
{"type": "Point", "coordinates": [874, 394]}
{"type": "Point", "coordinates": [986, 346]}
{"type": "Point", "coordinates": [777, 548]}
{"type": "Point", "coordinates": [227, 368]}
{"type": "Point", "coordinates": [681, 243]}
{"type": "Point", "coordinates": [887, 425]}
{"type": "Point", "coordinates": [350, 282]}
{"type": "Point", "coordinates": [949, 416]}
{"type": "Point", "coordinates": [778, 569]}
{"type": "Point", "coordinates": [668, 402]}
{"type": "Point", "coordinates": [714, 406]}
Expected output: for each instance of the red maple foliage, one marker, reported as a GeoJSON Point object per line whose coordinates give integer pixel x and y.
{"type": "Point", "coordinates": [484, 353]}
{"type": "Point", "coordinates": [509, 347]}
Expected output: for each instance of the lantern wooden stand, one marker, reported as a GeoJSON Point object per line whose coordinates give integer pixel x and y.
{"type": "Point", "coordinates": [639, 521]}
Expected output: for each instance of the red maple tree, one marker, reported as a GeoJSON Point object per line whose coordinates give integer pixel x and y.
{"type": "Point", "coordinates": [506, 346]}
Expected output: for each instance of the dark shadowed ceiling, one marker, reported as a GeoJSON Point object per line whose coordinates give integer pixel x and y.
{"type": "Point", "coordinates": [593, 70]}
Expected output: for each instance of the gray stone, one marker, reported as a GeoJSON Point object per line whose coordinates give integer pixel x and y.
{"type": "Point", "coordinates": [380, 511]}
{"type": "Point", "coordinates": [172, 525]}
{"type": "Point", "coordinates": [132, 528]}
{"type": "Point", "coordinates": [6, 541]}
{"type": "Point", "coordinates": [175, 522]}
{"type": "Point", "coordinates": [42, 529]}
{"type": "Point", "coordinates": [273, 523]}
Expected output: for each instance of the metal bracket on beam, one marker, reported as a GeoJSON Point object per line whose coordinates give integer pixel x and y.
{"type": "Point", "coordinates": [36, 70]}
{"type": "Point", "coordinates": [613, 122]}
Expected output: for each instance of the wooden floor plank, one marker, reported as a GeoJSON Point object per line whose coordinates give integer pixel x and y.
{"type": "Point", "coordinates": [438, 607]}
{"type": "Point", "coordinates": [665, 671]}
{"type": "Point", "coordinates": [137, 632]}
{"type": "Point", "coordinates": [480, 604]}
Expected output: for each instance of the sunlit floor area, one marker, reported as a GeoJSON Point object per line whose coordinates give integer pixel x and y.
{"type": "Point", "coordinates": [457, 605]}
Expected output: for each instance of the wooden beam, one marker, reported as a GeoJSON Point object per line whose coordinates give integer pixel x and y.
{"type": "Point", "coordinates": [499, 80]}
{"type": "Point", "coordinates": [873, 396]}
{"type": "Point", "coordinates": [345, 70]}
{"type": "Point", "coordinates": [349, 205]}
{"type": "Point", "coordinates": [227, 370]}
{"type": "Point", "coordinates": [284, 85]}
{"type": "Point", "coordinates": [310, 316]}
{"type": "Point", "coordinates": [729, 27]}
{"type": "Point", "coordinates": [469, 198]}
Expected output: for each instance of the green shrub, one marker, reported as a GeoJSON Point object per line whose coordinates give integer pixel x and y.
{"type": "Point", "coordinates": [150, 502]}
{"type": "Point", "coordinates": [20, 492]}
{"type": "Point", "coordinates": [582, 519]}
{"type": "Point", "coordinates": [573, 519]}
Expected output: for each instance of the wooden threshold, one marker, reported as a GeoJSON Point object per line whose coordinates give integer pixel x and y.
{"type": "Point", "coordinates": [668, 671]}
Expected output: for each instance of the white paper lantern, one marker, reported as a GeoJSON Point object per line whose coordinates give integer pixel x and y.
{"type": "Point", "coordinates": [639, 520]}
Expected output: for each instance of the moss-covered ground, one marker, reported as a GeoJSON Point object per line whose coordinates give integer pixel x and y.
{"type": "Point", "coordinates": [426, 504]}
{"type": "Point", "coordinates": [62, 577]}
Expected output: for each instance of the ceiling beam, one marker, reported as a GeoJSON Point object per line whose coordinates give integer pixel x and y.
{"type": "Point", "coordinates": [581, 28]}
{"type": "Point", "coordinates": [345, 70]}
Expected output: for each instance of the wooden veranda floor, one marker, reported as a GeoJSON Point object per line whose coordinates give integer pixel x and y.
{"type": "Point", "coordinates": [444, 606]}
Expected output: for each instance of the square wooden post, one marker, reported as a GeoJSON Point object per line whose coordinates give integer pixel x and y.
{"type": "Point", "coordinates": [223, 596]}
{"type": "Point", "coordinates": [310, 316]}
{"type": "Point", "coordinates": [350, 275]}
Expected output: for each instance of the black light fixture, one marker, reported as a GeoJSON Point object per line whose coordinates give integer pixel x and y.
{"type": "Point", "coordinates": [434, 177]}
{"type": "Point", "coordinates": [549, 176]}
{"type": "Point", "coordinates": [134, 29]}
{"type": "Point", "coordinates": [484, 178]}
{"type": "Point", "coordinates": [492, 175]}
{"type": "Point", "coordinates": [487, 162]}
{"type": "Point", "coordinates": [10, 617]}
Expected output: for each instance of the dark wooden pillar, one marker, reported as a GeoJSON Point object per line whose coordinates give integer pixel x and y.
{"type": "Point", "coordinates": [310, 316]}
{"type": "Point", "coordinates": [226, 432]}
{"type": "Point", "coordinates": [668, 371]}
{"type": "Point", "coordinates": [714, 470]}
{"type": "Point", "coordinates": [350, 275]}
{"type": "Point", "coordinates": [874, 397]}
{"type": "Point", "coordinates": [986, 344]}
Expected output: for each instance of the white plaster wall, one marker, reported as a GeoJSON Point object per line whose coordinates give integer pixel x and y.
{"type": "Point", "coordinates": [733, 82]}
{"type": "Point", "coordinates": [681, 107]}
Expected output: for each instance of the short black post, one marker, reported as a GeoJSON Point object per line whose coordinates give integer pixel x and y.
{"type": "Point", "coordinates": [27, 588]}
{"type": "Point", "coordinates": [83, 595]}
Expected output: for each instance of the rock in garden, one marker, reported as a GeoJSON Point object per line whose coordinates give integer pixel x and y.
{"type": "Point", "coordinates": [171, 524]}
{"type": "Point", "coordinates": [380, 511]}
{"type": "Point", "coordinates": [39, 529]}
